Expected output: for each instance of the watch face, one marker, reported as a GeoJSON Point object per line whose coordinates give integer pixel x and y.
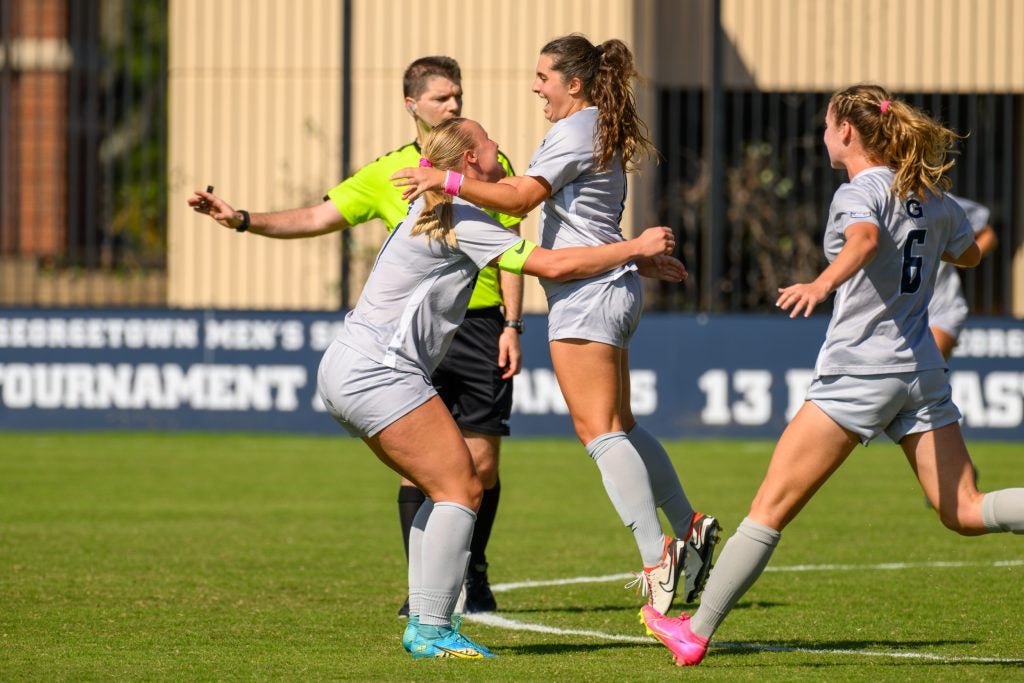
{"type": "Point", "coordinates": [516, 325]}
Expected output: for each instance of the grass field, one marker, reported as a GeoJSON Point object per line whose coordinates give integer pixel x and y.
{"type": "Point", "coordinates": [249, 557]}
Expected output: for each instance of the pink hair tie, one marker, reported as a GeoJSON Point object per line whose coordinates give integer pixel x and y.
{"type": "Point", "coordinates": [425, 162]}
{"type": "Point", "coordinates": [884, 106]}
{"type": "Point", "coordinates": [452, 183]}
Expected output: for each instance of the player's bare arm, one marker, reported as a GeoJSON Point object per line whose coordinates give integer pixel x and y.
{"type": "Point", "coordinates": [510, 354]}
{"type": "Point", "coordinates": [514, 195]}
{"type": "Point", "coordinates": [571, 263]}
{"type": "Point", "coordinates": [969, 259]}
{"type": "Point", "coordinates": [861, 246]}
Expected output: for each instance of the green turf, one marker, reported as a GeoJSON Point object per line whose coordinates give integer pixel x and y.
{"type": "Point", "coordinates": [225, 557]}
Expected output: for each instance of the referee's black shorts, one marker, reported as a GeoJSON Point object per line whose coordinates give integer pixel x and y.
{"type": "Point", "coordinates": [469, 379]}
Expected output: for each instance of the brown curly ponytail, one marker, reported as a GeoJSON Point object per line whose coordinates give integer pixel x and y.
{"type": "Point", "coordinates": [606, 72]}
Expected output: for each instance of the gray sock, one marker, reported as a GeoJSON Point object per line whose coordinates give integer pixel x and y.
{"type": "Point", "coordinates": [629, 488]}
{"type": "Point", "coordinates": [444, 556]}
{"type": "Point", "coordinates": [1003, 510]}
{"type": "Point", "coordinates": [740, 563]}
{"type": "Point", "coordinates": [668, 492]}
{"type": "Point", "coordinates": [419, 523]}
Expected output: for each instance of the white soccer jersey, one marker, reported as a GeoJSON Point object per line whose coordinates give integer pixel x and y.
{"type": "Point", "coordinates": [948, 295]}
{"type": "Point", "coordinates": [585, 206]}
{"type": "Point", "coordinates": [417, 293]}
{"type": "Point", "coordinates": [879, 321]}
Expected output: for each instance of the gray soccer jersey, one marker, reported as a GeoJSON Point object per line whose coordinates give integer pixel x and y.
{"type": "Point", "coordinates": [418, 290]}
{"type": "Point", "coordinates": [585, 206]}
{"type": "Point", "coordinates": [879, 321]}
{"type": "Point", "coordinates": [948, 308]}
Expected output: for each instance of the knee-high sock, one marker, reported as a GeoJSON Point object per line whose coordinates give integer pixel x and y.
{"type": "Point", "coordinates": [444, 556]}
{"type": "Point", "coordinates": [410, 499]}
{"type": "Point", "coordinates": [741, 562]}
{"type": "Point", "coordinates": [629, 488]}
{"type": "Point", "coordinates": [419, 523]}
{"type": "Point", "coordinates": [1003, 510]}
{"type": "Point", "coordinates": [484, 523]}
{"type": "Point", "coordinates": [668, 492]}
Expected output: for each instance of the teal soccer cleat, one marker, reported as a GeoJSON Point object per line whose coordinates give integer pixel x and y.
{"type": "Point", "coordinates": [451, 645]}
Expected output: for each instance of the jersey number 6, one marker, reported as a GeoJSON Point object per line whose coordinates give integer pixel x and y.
{"type": "Point", "coordinates": [911, 279]}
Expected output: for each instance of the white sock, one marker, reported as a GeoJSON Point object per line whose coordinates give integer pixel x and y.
{"type": "Point", "coordinates": [740, 563]}
{"type": "Point", "coordinates": [629, 488]}
{"type": "Point", "coordinates": [1003, 510]}
{"type": "Point", "coordinates": [668, 492]}
{"type": "Point", "coordinates": [444, 555]}
{"type": "Point", "coordinates": [419, 522]}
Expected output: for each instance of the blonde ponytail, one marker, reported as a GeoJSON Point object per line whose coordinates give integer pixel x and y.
{"type": "Point", "coordinates": [443, 147]}
{"type": "Point", "coordinates": [901, 136]}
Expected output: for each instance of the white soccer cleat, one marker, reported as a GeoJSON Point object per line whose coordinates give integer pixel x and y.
{"type": "Point", "coordinates": [659, 583]}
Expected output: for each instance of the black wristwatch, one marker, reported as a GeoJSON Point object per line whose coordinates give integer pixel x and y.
{"type": "Point", "coordinates": [244, 225]}
{"type": "Point", "coordinates": [516, 325]}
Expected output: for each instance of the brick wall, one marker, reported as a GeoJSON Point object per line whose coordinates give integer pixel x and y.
{"type": "Point", "coordinates": [36, 148]}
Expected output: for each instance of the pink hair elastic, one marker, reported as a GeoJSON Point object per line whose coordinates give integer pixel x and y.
{"type": "Point", "coordinates": [452, 183]}
{"type": "Point", "coordinates": [884, 106]}
{"type": "Point", "coordinates": [425, 162]}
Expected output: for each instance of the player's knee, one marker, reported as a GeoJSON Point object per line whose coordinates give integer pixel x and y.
{"type": "Point", "coordinates": [485, 461]}
{"type": "Point", "coordinates": [952, 522]}
{"type": "Point", "coordinates": [488, 473]}
{"type": "Point", "coordinates": [961, 520]}
{"type": "Point", "coordinates": [587, 431]}
{"type": "Point", "coordinates": [474, 492]}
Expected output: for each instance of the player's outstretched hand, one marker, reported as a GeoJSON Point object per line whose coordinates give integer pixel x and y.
{"type": "Point", "coordinates": [801, 297]}
{"type": "Point", "coordinates": [656, 241]}
{"type": "Point", "coordinates": [662, 267]}
{"type": "Point", "coordinates": [416, 181]}
{"type": "Point", "coordinates": [213, 206]}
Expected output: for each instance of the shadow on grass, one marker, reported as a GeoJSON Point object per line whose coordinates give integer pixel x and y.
{"type": "Point", "coordinates": [564, 648]}
{"type": "Point", "coordinates": [897, 652]}
{"type": "Point", "coordinates": [564, 609]}
{"type": "Point", "coordinates": [576, 609]}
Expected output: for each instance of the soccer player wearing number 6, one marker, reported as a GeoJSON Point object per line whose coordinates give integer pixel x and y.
{"type": "Point", "coordinates": [879, 369]}
{"type": "Point", "coordinates": [375, 377]}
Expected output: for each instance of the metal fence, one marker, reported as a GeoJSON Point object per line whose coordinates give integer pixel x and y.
{"type": "Point", "coordinates": [83, 139]}
{"type": "Point", "coordinates": [84, 186]}
{"type": "Point", "coordinates": [775, 185]}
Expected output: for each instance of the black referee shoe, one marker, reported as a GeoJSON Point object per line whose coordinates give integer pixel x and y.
{"type": "Point", "coordinates": [479, 597]}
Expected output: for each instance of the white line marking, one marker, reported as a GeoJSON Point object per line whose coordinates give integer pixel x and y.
{"type": "Point", "coordinates": [491, 619]}
{"type": "Point", "coordinates": [496, 621]}
{"type": "Point", "coordinates": [888, 566]}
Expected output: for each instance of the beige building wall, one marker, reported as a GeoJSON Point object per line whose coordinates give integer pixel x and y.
{"type": "Point", "coordinates": [821, 45]}
{"type": "Point", "coordinates": [255, 99]}
{"type": "Point", "coordinates": [280, 62]}
{"type": "Point", "coordinates": [254, 108]}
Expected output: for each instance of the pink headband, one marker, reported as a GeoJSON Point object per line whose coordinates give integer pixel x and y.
{"type": "Point", "coordinates": [884, 106]}
{"type": "Point", "coordinates": [425, 162]}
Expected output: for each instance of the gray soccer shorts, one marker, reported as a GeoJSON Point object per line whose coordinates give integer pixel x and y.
{"type": "Point", "coordinates": [364, 396]}
{"type": "Point", "coordinates": [606, 312]}
{"type": "Point", "coordinates": [898, 403]}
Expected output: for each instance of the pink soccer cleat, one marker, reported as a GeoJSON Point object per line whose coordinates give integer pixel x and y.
{"type": "Point", "coordinates": [688, 649]}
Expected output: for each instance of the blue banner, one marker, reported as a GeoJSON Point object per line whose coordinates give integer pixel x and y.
{"type": "Point", "coordinates": [736, 376]}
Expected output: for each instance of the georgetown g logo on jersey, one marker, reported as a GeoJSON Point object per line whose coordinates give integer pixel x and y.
{"type": "Point", "coordinates": [914, 208]}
